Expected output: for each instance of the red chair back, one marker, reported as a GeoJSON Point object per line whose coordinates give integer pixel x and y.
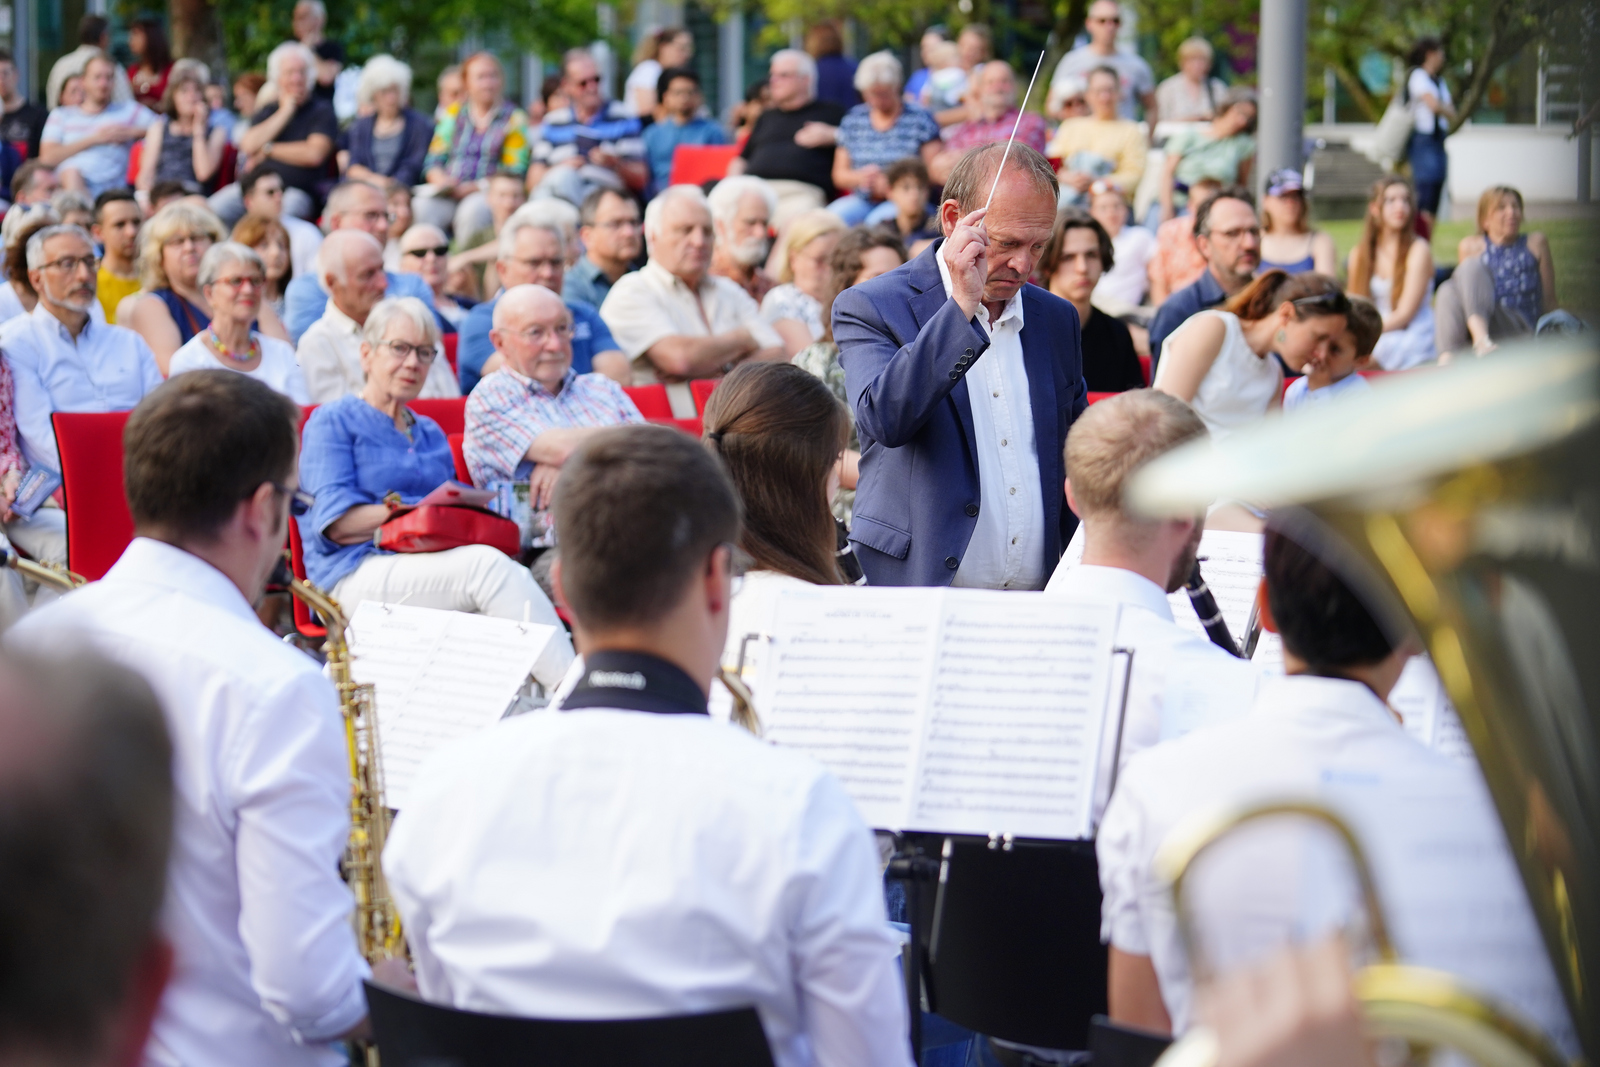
{"type": "Point", "coordinates": [1144, 365]}
{"type": "Point", "coordinates": [451, 414]}
{"type": "Point", "coordinates": [22, 149]}
{"type": "Point", "coordinates": [651, 400]}
{"type": "Point", "coordinates": [701, 389]}
{"type": "Point", "coordinates": [458, 449]}
{"type": "Point", "coordinates": [135, 153]}
{"type": "Point", "coordinates": [697, 164]}
{"type": "Point", "coordinates": [99, 525]}
{"type": "Point", "coordinates": [452, 342]}
{"type": "Point", "coordinates": [304, 621]}
{"type": "Point", "coordinates": [1095, 398]}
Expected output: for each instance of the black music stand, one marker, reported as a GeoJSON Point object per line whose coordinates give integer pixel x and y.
{"type": "Point", "coordinates": [412, 1033]}
{"type": "Point", "coordinates": [1113, 1045]}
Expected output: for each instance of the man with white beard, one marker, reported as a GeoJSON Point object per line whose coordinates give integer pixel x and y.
{"type": "Point", "coordinates": [741, 212]}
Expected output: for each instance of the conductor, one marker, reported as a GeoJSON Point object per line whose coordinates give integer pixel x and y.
{"type": "Point", "coordinates": [965, 380]}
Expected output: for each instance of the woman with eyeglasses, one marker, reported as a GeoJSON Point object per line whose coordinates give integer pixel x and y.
{"type": "Point", "coordinates": [794, 306]}
{"type": "Point", "coordinates": [366, 455]}
{"type": "Point", "coordinates": [271, 241]}
{"type": "Point", "coordinates": [1220, 362]}
{"type": "Point", "coordinates": [234, 282]}
{"type": "Point", "coordinates": [1391, 266]}
{"type": "Point", "coordinates": [425, 252]}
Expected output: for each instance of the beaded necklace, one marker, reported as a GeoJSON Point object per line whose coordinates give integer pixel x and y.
{"type": "Point", "coordinates": [250, 352]}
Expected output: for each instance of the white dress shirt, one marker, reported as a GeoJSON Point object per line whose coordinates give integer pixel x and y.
{"type": "Point", "coordinates": [599, 863]}
{"type": "Point", "coordinates": [1164, 655]}
{"type": "Point", "coordinates": [330, 359]}
{"type": "Point", "coordinates": [267, 970]}
{"type": "Point", "coordinates": [1007, 546]}
{"type": "Point", "coordinates": [106, 368]}
{"type": "Point", "coordinates": [652, 303]}
{"type": "Point", "coordinates": [1438, 854]}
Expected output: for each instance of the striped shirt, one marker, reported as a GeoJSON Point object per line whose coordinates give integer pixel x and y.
{"type": "Point", "coordinates": [614, 128]}
{"type": "Point", "coordinates": [507, 412]}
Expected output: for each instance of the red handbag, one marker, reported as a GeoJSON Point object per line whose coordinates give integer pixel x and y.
{"type": "Point", "coordinates": [437, 527]}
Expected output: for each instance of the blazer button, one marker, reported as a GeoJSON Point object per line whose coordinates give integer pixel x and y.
{"type": "Point", "coordinates": [968, 353]}
{"type": "Point", "coordinates": [952, 562]}
{"type": "Point", "coordinates": [955, 376]}
{"type": "Point", "coordinates": [972, 511]}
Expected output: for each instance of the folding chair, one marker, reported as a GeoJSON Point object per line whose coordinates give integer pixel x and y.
{"type": "Point", "coordinates": [452, 343]}
{"type": "Point", "coordinates": [651, 400]}
{"type": "Point", "coordinates": [701, 389]}
{"type": "Point", "coordinates": [698, 164]}
{"type": "Point", "coordinates": [99, 525]}
{"type": "Point", "coordinates": [458, 449]}
{"type": "Point", "coordinates": [451, 414]}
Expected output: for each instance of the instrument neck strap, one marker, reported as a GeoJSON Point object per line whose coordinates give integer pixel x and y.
{"type": "Point", "coordinates": [635, 681]}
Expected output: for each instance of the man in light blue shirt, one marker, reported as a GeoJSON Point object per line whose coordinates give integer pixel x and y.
{"type": "Point", "coordinates": [352, 205]}
{"type": "Point", "coordinates": [679, 92]}
{"type": "Point", "coordinates": [88, 145]}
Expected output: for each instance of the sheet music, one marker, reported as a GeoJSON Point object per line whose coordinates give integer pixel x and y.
{"type": "Point", "coordinates": [1429, 716]}
{"type": "Point", "coordinates": [1203, 690]}
{"type": "Point", "coordinates": [437, 676]}
{"type": "Point", "coordinates": [1016, 716]}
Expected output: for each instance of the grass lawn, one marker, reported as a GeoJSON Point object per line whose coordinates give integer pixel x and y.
{"type": "Point", "coordinates": [1572, 246]}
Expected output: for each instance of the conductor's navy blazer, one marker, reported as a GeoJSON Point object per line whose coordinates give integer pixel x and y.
{"type": "Point", "coordinates": [906, 348]}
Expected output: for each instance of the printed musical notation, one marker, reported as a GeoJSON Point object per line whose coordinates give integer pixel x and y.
{"type": "Point", "coordinates": [961, 711]}
{"type": "Point", "coordinates": [437, 676]}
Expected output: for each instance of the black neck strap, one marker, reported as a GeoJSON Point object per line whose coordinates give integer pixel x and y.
{"type": "Point", "coordinates": [635, 681]}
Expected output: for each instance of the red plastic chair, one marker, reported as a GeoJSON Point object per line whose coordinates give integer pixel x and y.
{"type": "Point", "coordinates": [451, 415]}
{"type": "Point", "coordinates": [1095, 398]}
{"type": "Point", "coordinates": [697, 164]}
{"type": "Point", "coordinates": [304, 621]}
{"type": "Point", "coordinates": [651, 400]}
{"type": "Point", "coordinates": [1144, 365]}
{"type": "Point", "coordinates": [458, 449]}
{"type": "Point", "coordinates": [452, 341]}
{"type": "Point", "coordinates": [135, 152]}
{"type": "Point", "coordinates": [701, 389]}
{"type": "Point", "coordinates": [99, 525]}
{"type": "Point", "coordinates": [693, 427]}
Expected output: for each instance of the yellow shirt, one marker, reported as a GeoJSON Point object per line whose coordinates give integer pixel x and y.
{"type": "Point", "coordinates": [1119, 141]}
{"type": "Point", "coordinates": [112, 288]}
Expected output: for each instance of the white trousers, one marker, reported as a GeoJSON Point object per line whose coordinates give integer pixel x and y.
{"type": "Point", "coordinates": [44, 538]}
{"type": "Point", "coordinates": [472, 578]}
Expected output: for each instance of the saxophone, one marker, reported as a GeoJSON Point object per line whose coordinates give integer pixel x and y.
{"type": "Point", "coordinates": [377, 922]}
{"type": "Point", "coordinates": [53, 575]}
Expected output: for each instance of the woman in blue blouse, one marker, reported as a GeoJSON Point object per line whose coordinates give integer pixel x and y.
{"type": "Point", "coordinates": [875, 134]}
{"type": "Point", "coordinates": [361, 456]}
{"type": "Point", "coordinates": [1505, 281]}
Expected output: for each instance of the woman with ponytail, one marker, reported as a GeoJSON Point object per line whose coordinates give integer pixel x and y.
{"type": "Point", "coordinates": [1221, 361]}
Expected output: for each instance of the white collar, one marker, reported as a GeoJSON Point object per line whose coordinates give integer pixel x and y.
{"type": "Point", "coordinates": [46, 319]}
{"type": "Point", "coordinates": [1012, 310]}
{"type": "Point", "coordinates": [1118, 584]}
{"type": "Point", "coordinates": [672, 281]}
{"type": "Point", "coordinates": [338, 321]}
{"type": "Point", "coordinates": [1314, 697]}
{"type": "Point", "coordinates": [153, 562]}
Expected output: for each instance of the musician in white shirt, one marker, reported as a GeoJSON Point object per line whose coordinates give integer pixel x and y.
{"type": "Point", "coordinates": [266, 971]}
{"type": "Point", "coordinates": [1133, 561]}
{"type": "Point", "coordinates": [625, 855]}
{"type": "Point", "coordinates": [1438, 854]}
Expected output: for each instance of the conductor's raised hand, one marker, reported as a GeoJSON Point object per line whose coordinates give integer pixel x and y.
{"type": "Point", "coordinates": [966, 252]}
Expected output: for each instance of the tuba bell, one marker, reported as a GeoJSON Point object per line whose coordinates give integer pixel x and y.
{"type": "Point", "coordinates": [1464, 505]}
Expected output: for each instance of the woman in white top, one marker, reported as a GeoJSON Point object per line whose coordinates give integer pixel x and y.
{"type": "Point", "coordinates": [234, 282]}
{"type": "Point", "coordinates": [1221, 361]}
{"type": "Point", "coordinates": [1394, 269]}
{"type": "Point", "coordinates": [1192, 94]}
{"type": "Point", "coordinates": [780, 433]}
{"type": "Point", "coordinates": [1123, 287]}
{"type": "Point", "coordinates": [794, 308]}
{"type": "Point", "coordinates": [659, 51]}
{"type": "Point", "coordinates": [1432, 111]}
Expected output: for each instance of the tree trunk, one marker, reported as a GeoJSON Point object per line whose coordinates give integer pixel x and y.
{"type": "Point", "coordinates": [1358, 92]}
{"type": "Point", "coordinates": [197, 34]}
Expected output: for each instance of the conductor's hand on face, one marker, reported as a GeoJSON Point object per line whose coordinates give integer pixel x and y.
{"type": "Point", "coordinates": [966, 251]}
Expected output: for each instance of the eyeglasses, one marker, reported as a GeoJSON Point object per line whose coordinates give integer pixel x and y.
{"type": "Point", "coordinates": [71, 264]}
{"type": "Point", "coordinates": [1107, 20]}
{"type": "Point", "coordinates": [376, 216]}
{"type": "Point", "coordinates": [1234, 235]}
{"type": "Point", "coordinates": [562, 331]}
{"type": "Point", "coordinates": [191, 239]}
{"type": "Point", "coordinates": [584, 83]}
{"type": "Point", "coordinates": [300, 501]}
{"type": "Point", "coordinates": [619, 224]}
{"type": "Point", "coordinates": [252, 280]}
{"type": "Point", "coordinates": [538, 264]}
{"type": "Point", "coordinates": [441, 251]}
{"type": "Point", "coordinates": [425, 353]}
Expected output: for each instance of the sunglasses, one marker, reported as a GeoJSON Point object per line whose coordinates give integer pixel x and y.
{"type": "Point", "coordinates": [1112, 20]}
{"type": "Point", "coordinates": [422, 253]}
{"type": "Point", "coordinates": [1334, 303]}
{"type": "Point", "coordinates": [584, 83]}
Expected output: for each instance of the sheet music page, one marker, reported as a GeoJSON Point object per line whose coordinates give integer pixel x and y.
{"type": "Point", "coordinates": [1429, 716]}
{"type": "Point", "coordinates": [1203, 690]}
{"type": "Point", "coordinates": [1016, 715]}
{"type": "Point", "coordinates": [846, 680]}
{"type": "Point", "coordinates": [437, 676]}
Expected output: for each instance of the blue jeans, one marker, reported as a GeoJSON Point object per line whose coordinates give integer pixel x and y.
{"type": "Point", "coordinates": [1429, 168]}
{"type": "Point", "coordinates": [944, 1044]}
{"type": "Point", "coordinates": [856, 209]}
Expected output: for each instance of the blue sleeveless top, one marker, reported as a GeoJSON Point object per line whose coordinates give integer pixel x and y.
{"type": "Point", "coordinates": [189, 319]}
{"type": "Point", "coordinates": [1299, 266]}
{"type": "Point", "coordinates": [1516, 276]}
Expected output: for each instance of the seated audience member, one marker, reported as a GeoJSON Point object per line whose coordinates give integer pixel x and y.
{"type": "Point", "coordinates": [1122, 288]}
{"type": "Point", "coordinates": [525, 419]}
{"type": "Point", "coordinates": [743, 118]}
{"type": "Point", "coordinates": [532, 247]}
{"type": "Point", "coordinates": [401, 218]}
{"type": "Point", "coordinates": [791, 145]}
{"type": "Point", "coordinates": [914, 222]}
{"type": "Point", "coordinates": [360, 448]}
{"type": "Point", "coordinates": [425, 252]}
{"type": "Point", "coordinates": [741, 219]}
{"type": "Point", "coordinates": [646, 519]}
{"type": "Point", "coordinates": [1505, 280]}
{"type": "Point", "coordinates": [72, 93]}
{"type": "Point", "coordinates": [86, 785]}
{"type": "Point", "coordinates": [234, 281]}
{"type": "Point", "coordinates": [450, 90]}
{"type": "Point", "coordinates": [169, 310]}
{"type": "Point", "coordinates": [21, 120]}
{"type": "Point", "coordinates": [1394, 269]}
{"type": "Point", "coordinates": [1192, 94]}
{"type": "Point", "coordinates": [946, 85]}
{"type": "Point", "coordinates": [351, 206]}
{"type": "Point", "coordinates": [292, 136]}
{"type": "Point", "coordinates": [73, 208]}
{"type": "Point", "coordinates": [779, 433]}
{"type": "Point", "coordinates": [117, 219]}
{"type": "Point", "coordinates": [1322, 733]}
{"type": "Point", "coordinates": [505, 194]}
{"type": "Point", "coordinates": [1288, 240]}
{"type": "Point", "coordinates": [995, 98]}
{"type": "Point", "coordinates": [1134, 561]}
{"type": "Point", "coordinates": [33, 183]}
{"type": "Point", "coordinates": [836, 72]}
{"type": "Point", "coordinates": [263, 193]}
{"type": "Point", "coordinates": [927, 47]}
{"type": "Point", "coordinates": [17, 295]}
{"type": "Point", "coordinates": [1072, 262]}
{"type": "Point", "coordinates": [246, 88]}
{"type": "Point", "coordinates": [675, 320]}
{"type": "Point", "coordinates": [658, 51]}
{"type": "Point", "coordinates": [679, 124]}
{"type": "Point", "coordinates": [88, 144]}
{"type": "Point", "coordinates": [63, 359]}
{"type": "Point", "coordinates": [794, 306]}
{"type": "Point", "coordinates": [875, 133]}
{"type": "Point", "coordinates": [1099, 145]}
{"type": "Point", "coordinates": [1221, 361]}
{"type": "Point", "coordinates": [391, 143]}
{"type": "Point", "coordinates": [1137, 84]}
{"type": "Point", "coordinates": [1349, 353]}
{"type": "Point", "coordinates": [591, 143]}
{"type": "Point", "coordinates": [150, 73]}
{"type": "Point", "coordinates": [1228, 236]}
{"type": "Point", "coordinates": [1178, 262]}
{"type": "Point", "coordinates": [164, 193]}
{"type": "Point", "coordinates": [1224, 150]}
{"type": "Point", "coordinates": [608, 223]}
{"type": "Point", "coordinates": [350, 265]}
{"type": "Point", "coordinates": [182, 145]}
{"type": "Point", "coordinates": [271, 242]}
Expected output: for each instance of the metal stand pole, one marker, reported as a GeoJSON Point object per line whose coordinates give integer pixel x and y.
{"type": "Point", "coordinates": [912, 866]}
{"type": "Point", "coordinates": [1282, 57]}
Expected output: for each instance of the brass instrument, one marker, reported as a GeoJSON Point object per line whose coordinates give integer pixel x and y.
{"type": "Point", "coordinates": [1464, 505]}
{"type": "Point", "coordinates": [44, 573]}
{"type": "Point", "coordinates": [377, 922]}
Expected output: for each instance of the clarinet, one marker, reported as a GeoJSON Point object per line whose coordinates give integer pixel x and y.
{"type": "Point", "coordinates": [1205, 606]}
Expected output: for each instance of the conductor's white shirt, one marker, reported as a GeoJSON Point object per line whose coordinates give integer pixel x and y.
{"type": "Point", "coordinates": [600, 863]}
{"type": "Point", "coordinates": [267, 971]}
{"type": "Point", "coordinates": [1438, 854]}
